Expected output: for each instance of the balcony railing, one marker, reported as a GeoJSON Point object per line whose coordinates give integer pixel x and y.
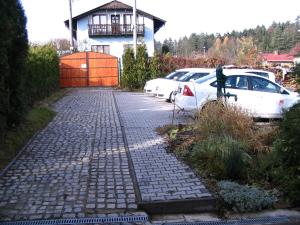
{"type": "Point", "coordinates": [114, 29]}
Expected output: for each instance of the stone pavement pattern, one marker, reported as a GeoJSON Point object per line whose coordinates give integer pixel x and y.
{"type": "Point", "coordinates": [160, 176]}
{"type": "Point", "coordinates": [76, 167]}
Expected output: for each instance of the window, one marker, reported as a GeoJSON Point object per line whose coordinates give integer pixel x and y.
{"type": "Point", "coordinates": [266, 75]}
{"type": "Point", "coordinates": [196, 76]}
{"type": "Point", "coordinates": [235, 82]}
{"type": "Point", "coordinates": [128, 19]}
{"type": "Point", "coordinates": [99, 19]}
{"type": "Point", "coordinates": [101, 48]}
{"type": "Point", "coordinates": [260, 84]}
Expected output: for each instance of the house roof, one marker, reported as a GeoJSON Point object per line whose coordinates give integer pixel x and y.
{"type": "Point", "coordinates": [271, 57]}
{"type": "Point", "coordinates": [117, 5]}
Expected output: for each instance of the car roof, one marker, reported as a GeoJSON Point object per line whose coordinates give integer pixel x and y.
{"type": "Point", "coordinates": [240, 73]}
{"type": "Point", "coordinates": [251, 70]}
{"type": "Point", "coordinates": [196, 69]}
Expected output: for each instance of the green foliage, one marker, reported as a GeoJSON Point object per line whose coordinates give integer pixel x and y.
{"type": "Point", "coordinates": [278, 36]}
{"type": "Point", "coordinates": [142, 66]}
{"type": "Point", "coordinates": [154, 67]}
{"type": "Point", "coordinates": [13, 50]}
{"type": "Point", "coordinates": [286, 154]}
{"type": "Point", "coordinates": [241, 198]}
{"type": "Point", "coordinates": [135, 71]}
{"type": "Point", "coordinates": [220, 157]}
{"type": "Point", "coordinates": [42, 73]}
{"type": "Point", "coordinates": [128, 79]}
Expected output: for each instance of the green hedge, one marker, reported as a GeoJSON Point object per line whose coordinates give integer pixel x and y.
{"type": "Point", "coordinates": [42, 73]}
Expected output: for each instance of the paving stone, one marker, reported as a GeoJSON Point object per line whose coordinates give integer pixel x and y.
{"type": "Point", "coordinates": [160, 175]}
{"type": "Point", "coordinates": [72, 163]}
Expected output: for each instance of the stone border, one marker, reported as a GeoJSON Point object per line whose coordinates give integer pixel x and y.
{"type": "Point", "coordinates": [131, 166]}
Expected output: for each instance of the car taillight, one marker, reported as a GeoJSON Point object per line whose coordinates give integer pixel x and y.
{"type": "Point", "coordinates": [187, 91]}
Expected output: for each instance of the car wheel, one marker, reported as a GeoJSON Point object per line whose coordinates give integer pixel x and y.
{"type": "Point", "coordinates": [170, 97]}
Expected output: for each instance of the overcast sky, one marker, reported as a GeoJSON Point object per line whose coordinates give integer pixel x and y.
{"type": "Point", "coordinates": [45, 17]}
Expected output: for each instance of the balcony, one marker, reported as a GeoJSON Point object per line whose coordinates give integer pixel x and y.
{"type": "Point", "coordinates": [114, 30]}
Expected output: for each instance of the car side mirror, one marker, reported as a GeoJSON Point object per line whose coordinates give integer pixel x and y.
{"type": "Point", "coordinates": [175, 78]}
{"type": "Point", "coordinates": [282, 91]}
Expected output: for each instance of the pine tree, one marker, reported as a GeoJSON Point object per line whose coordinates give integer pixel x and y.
{"type": "Point", "coordinates": [142, 66]}
{"type": "Point", "coordinates": [128, 79]}
{"type": "Point", "coordinates": [13, 50]}
{"type": "Point", "coordinates": [154, 67]}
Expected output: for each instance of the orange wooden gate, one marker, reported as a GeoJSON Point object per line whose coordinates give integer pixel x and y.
{"type": "Point", "coordinates": [89, 69]}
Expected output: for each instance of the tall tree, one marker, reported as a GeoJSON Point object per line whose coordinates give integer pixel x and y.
{"type": "Point", "coordinates": [13, 51]}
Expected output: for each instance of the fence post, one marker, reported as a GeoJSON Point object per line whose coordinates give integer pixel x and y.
{"type": "Point", "coordinates": [87, 69]}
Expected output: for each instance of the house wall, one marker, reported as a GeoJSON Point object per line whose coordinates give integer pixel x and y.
{"type": "Point", "coordinates": [277, 63]}
{"type": "Point", "coordinates": [84, 42]}
{"type": "Point", "coordinates": [297, 60]}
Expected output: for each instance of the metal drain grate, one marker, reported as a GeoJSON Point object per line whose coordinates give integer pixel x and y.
{"type": "Point", "coordinates": [256, 221]}
{"type": "Point", "coordinates": [101, 220]}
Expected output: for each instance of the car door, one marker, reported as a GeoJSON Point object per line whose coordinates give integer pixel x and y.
{"type": "Point", "coordinates": [238, 85]}
{"type": "Point", "coordinates": [269, 101]}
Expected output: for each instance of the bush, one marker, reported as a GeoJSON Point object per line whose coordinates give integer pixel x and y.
{"type": "Point", "coordinates": [221, 157]}
{"type": "Point", "coordinates": [128, 79]}
{"type": "Point", "coordinates": [42, 73]}
{"type": "Point", "coordinates": [241, 198]}
{"type": "Point", "coordinates": [219, 119]}
{"type": "Point", "coordinates": [286, 155]}
{"type": "Point", "coordinates": [142, 65]}
{"type": "Point", "coordinates": [154, 67]}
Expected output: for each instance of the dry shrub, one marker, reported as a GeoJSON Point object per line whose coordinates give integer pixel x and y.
{"type": "Point", "coordinates": [217, 118]}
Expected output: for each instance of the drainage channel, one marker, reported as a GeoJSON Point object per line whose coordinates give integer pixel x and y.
{"type": "Point", "coordinates": [98, 220]}
{"type": "Point", "coordinates": [254, 221]}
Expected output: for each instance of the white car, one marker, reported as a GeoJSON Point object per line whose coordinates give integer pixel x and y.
{"type": "Point", "coordinates": [259, 96]}
{"type": "Point", "coordinates": [166, 88]}
{"type": "Point", "coordinates": [152, 85]}
{"type": "Point", "coordinates": [267, 74]}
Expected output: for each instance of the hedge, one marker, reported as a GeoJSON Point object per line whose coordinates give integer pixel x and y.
{"type": "Point", "coordinates": [42, 73]}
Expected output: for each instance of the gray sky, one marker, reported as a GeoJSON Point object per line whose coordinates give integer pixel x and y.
{"type": "Point", "coordinates": [45, 17]}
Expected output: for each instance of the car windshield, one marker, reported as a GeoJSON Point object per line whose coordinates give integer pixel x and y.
{"type": "Point", "coordinates": [177, 74]}
{"type": "Point", "coordinates": [170, 76]}
{"type": "Point", "coordinates": [193, 76]}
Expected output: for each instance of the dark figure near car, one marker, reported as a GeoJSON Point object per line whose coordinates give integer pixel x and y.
{"type": "Point", "coordinates": [221, 78]}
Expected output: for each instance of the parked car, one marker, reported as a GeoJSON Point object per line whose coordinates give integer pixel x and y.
{"type": "Point", "coordinates": [166, 89]}
{"type": "Point", "coordinates": [263, 73]}
{"type": "Point", "coordinates": [151, 85]}
{"type": "Point", "coordinates": [259, 96]}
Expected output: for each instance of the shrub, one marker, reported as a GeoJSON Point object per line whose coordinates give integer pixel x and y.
{"type": "Point", "coordinates": [287, 155]}
{"type": "Point", "coordinates": [218, 119]}
{"type": "Point", "coordinates": [221, 157]}
{"type": "Point", "coordinates": [142, 66]}
{"type": "Point", "coordinates": [42, 72]}
{"type": "Point", "coordinates": [241, 198]}
{"type": "Point", "coordinates": [128, 79]}
{"type": "Point", "coordinates": [154, 67]}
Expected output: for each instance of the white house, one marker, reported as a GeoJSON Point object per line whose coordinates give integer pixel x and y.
{"type": "Point", "coordinates": [108, 29]}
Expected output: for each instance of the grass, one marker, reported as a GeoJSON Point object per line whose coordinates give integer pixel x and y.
{"type": "Point", "coordinates": [36, 119]}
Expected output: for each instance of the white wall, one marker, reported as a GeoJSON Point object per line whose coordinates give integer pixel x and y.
{"type": "Point", "coordinates": [117, 43]}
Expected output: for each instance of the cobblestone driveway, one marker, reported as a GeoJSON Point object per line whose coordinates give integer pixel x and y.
{"type": "Point", "coordinates": [78, 165]}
